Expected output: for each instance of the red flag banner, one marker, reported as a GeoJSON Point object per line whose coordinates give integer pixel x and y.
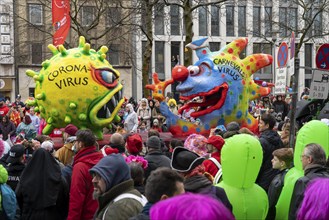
{"type": "Point", "coordinates": [61, 20]}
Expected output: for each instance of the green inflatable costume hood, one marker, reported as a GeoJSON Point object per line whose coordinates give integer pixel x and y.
{"type": "Point", "coordinates": [313, 132]}
{"type": "Point", "coordinates": [241, 159]}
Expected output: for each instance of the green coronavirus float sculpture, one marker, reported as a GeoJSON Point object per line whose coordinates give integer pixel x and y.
{"type": "Point", "coordinates": [241, 159]}
{"type": "Point", "coordinates": [77, 86]}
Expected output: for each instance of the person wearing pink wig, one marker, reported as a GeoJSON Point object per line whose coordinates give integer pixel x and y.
{"type": "Point", "coordinates": [315, 205]}
{"type": "Point", "coordinates": [190, 206]}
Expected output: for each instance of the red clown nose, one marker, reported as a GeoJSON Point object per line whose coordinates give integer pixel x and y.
{"type": "Point", "coordinates": [179, 73]}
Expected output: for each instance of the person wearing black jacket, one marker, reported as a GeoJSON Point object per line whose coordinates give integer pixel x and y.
{"type": "Point", "coordinates": [42, 193]}
{"type": "Point", "coordinates": [15, 165]}
{"type": "Point", "coordinates": [155, 157]}
{"type": "Point", "coordinates": [189, 164]}
{"type": "Point", "coordinates": [270, 141]}
{"type": "Point", "coordinates": [314, 165]}
{"type": "Point", "coordinates": [282, 161]}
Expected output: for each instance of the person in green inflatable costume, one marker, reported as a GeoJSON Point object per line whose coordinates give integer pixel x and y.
{"type": "Point", "coordinates": [313, 132]}
{"type": "Point", "coordinates": [241, 158]}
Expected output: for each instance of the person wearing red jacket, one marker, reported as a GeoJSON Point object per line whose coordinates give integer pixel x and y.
{"type": "Point", "coordinates": [3, 107]}
{"type": "Point", "coordinates": [214, 146]}
{"type": "Point", "coordinates": [82, 206]}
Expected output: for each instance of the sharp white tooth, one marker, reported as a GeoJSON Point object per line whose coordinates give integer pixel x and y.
{"type": "Point", "coordinates": [120, 94]}
{"type": "Point", "coordinates": [108, 113]}
{"type": "Point", "coordinates": [116, 102]}
{"type": "Point", "coordinates": [113, 101]}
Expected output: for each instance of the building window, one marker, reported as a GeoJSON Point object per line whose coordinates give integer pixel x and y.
{"type": "Point", "coordinates": [318, 24]}
{"type": "Point", "coordinates": [293, 19]}
{"type": "Point", "coordinates": [283, 22]}
{"type": "Point", "coordinates": [242, 30]}
{"type": "Point", "coordinates": [36, 53]}
{"type": "Point", "coordinates": [113, 17]}
{"type": "Point", "coordinates": [256, 21]}
{"type": "Point", "coordinates": [203, 21]}
{"type": "Point", "coordinates": [88, 15]}
{"type": "Point", "coordinates": [175, 20]}
{"type": "Point", "coordinates": [175, 49]}
{"type": "Point", "coordinates": [230, 21]}
{"type": "Point", "coordinates": [266, 49]}
{"type": "Point", "coordinates": [214, 20]}
{"type": "Point", "coordinates": [31, 92]}
{"type": "Point", "coordinates": [308, 58]}
{"type": "Point", "coordinates": [159, 59]}
{"type": "Point", "coordinates": [114, 54]}
{"type": "Point", "coordinates": [268, 22]}
{"type": "Point", "coordinates": [159, 19]}
{"type": "Point", "coordinates": [214, 46]}
{"type": "Point", "coordinates": [35, 14]}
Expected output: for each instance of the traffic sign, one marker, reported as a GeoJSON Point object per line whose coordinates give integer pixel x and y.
{"type": "Point", "coordinates": [283, 54]}
{"type": "Point", "coordinates": [322, 57]}
{"type": "Point", "coordinates": [319, 85]}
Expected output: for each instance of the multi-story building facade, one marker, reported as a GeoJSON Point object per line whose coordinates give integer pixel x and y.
{"type": "Point", "coordinates": [266, 23]}
{"type": "Point", "coordinates": [33, 33]}
{"type": "Point", "coordinates": [7, 68]}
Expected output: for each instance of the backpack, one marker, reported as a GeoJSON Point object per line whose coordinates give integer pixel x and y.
{"type": "Point", "coordinates": [8, 201]}
{"type": "Point", "coordinates": [218, 175]}
{"type": "Point", "coordinates": [142, 200]}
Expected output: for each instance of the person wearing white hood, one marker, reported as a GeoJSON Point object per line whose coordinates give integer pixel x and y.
{"type": "Point", "coordinates": [131, 122]}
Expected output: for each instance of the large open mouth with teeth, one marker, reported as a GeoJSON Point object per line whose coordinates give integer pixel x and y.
{"type": "Point", "coordinates": [206, 102]}
{"type": "Point", "coordinates": [104, 110]}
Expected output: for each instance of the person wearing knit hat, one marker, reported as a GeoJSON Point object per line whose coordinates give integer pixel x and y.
{"type": "Point", "coordinates": [134, 144]}
{"type": "Point", "coordinates": [65, 154]}
{"type": "Point", "coordinates": [155, 156]}
{"type": "Point", "coordinates": [114, 189]}
{"type": "Point", "coordinates": [214, 147]}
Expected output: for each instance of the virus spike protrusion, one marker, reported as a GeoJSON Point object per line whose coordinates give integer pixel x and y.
{"type": "Point", "coordinates": [32, 102]}
{"type": "Point", "coordinates": [36, 109]}
{"type": "Point", "coordinates": [257, 91]}
{"type": "Point", "coordinates": [50, 120]}
{"type": "Point", "coordinates": [41, 96]}
{"type": "Point", "coordinates": [103, 50]}
{"type": "Point", "coordinates": [53, 49]}
{"type": "Point", "coordinates": [45, 64]}
{"type": "Point", "coordinates": [31, 73]}
{"type": "Point", "coordinates": [67, 119]}
{"type": "Point", "coordinates": [41, 109]}
{"type": "Point", "coordinates": [86, 49]}
{"type": "Point", "coordinates": [256, 62]}
{"type": "Point", "coordinates": [54, 113]}
{"type": "Point", "coordinates": [48, 129]}
{"type": "Point", "coordinates": [82, 117]}
{"type": "Point", "coordinates": [102, 57]}
{"type": "Point", "coordinates": [72, 105]}
{"type": "Point", "coordinates": [38, 78]}
{"type": "Point", "coordinates": [236, 46]}
{"type": "Point", "coordinates": [63, 50]}
{"type": "Point", "coordinates": [82, 41]}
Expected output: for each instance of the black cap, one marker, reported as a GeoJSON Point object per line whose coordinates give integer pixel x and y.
{"type": "Point", "coordinates": [184, 160]}
{"type": "Point", "coordinates": [15, 153]}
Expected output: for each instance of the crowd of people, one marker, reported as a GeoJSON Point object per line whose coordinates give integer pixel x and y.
{"type": "Point", "coordinates": [134, 179]}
